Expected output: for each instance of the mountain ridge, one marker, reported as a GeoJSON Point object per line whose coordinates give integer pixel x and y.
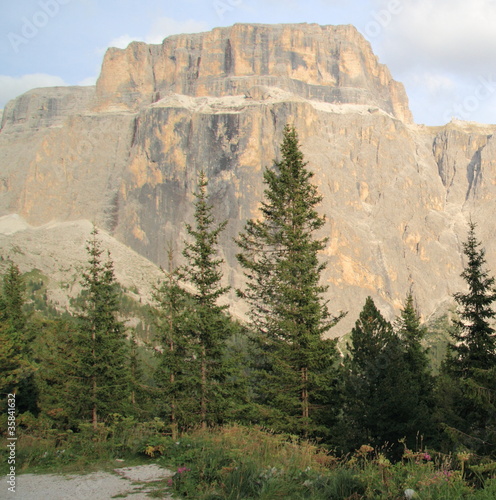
{"type": "Point", "coordinates": [125, 154]}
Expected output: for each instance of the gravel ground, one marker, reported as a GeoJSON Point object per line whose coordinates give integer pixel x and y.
{"type": "Point", "coordinates": [128, 482]}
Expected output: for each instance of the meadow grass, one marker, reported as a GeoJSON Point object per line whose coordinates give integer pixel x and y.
{"type": "Point", "coordinates": [237, 462]}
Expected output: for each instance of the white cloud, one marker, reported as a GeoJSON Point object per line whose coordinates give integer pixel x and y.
{"type": "Point", "coordinates": [442, 51]}
{"type": "Point", "coordinates": [11, 87]}
{"type": "Point", "coordinates": [454, 35]}
{"type": "Point", "coordinates": [160, 29]}
{"type": "Point", "coordinates": [165, 26]}
{"type": "Point", "coordinates": [122, 41]}
{"type": "Point", "coordinates": [90, 80]}
{"type": "Point", "coordinates": [434, 82]}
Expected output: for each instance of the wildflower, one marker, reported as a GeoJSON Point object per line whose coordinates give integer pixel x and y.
{"type": "Point", "coordinates": [182, 469]}
{"type": "Point", "coordinates": [464, 457]}
{"type": "Point", "coordinates": [364, 449]}
{"type": "Point", "coordinates": [427, 457]}
{"type": "Point", "coordinates": [409, 494]}
{"type": "Point", "coordinates": [446, 474]}
{"type": "Point", "coordinates": [170, 482]}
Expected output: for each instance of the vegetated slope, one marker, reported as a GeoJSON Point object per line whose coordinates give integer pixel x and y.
{"type": "Point", "coordinates": [54, 256]}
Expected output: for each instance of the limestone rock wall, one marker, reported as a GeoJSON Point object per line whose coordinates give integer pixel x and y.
{"type": "Point", "coordinates": [126, 154]}
{"type": "Point", "coordinates": [327, 63]}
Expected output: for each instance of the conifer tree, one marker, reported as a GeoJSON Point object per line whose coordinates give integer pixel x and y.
{"type": "Point", "coordinates": [416, 373]}
{"type": "Point", "coordinates": [11, 305]}
{"type": "Point", "coordinates": [102, 378]}
{"type": "Point", "coordinates": [12, 366]}
{"type": "Point", "coordinates": [474, 340]}
{"type": "Point", "coordinates": [279, 254]}
{"type": "Point", "coordinates": [468, 415]}
{"type": "Point", "coordinates": [208, 322]}
{"type": "Point", "coordinates": [377, 404]}
{"type": "Point", "coordinates": [16, 366]}
{"type": "Point", "coordinates": [174, 374]}
{"type": "Point", "coordinates": [56, 355]}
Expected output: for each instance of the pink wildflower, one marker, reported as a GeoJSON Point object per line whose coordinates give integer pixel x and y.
{"type": "Point", "coordinates": [447, 474]}
{"type": "Point", "coordinates": [427, 457]}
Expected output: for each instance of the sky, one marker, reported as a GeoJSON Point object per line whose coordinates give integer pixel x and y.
{"type": "Point", "coordinates": [443, 51]}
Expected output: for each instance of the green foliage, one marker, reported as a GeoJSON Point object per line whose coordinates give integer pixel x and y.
{"type": "Point", "coordinates": [438, 339]}
{"type": "Point", "coordinates": [208, 325]}
{"type": "Point", "coordinates": [415, 374]}
{"type": "Point", "coordinates": [193, 328]}
{"type": "Point", "coordinates": [469, 415]}
{"type": "Point", "coordinates": [279, 255]}
{"type": "Point", "coordinates": [16, 336]}
{"type": "Point", "coordinates": [175, 368]}
{"type": "Point", "coordinates": [387, 389]}
{"type": "Point", "coordinates": [474, 340]}
{"type": "Point", "coordinates": [42, 447]}
{"type": "Point", "coordinates": [84, 388]}
{"type": "Point", "coordinates": [36, 295]}
{"type": "Point", "coordinates": [55, 353]}
{"type": "Point", "coordinates": [246, 463]}
{"type": "Point", "coordinates": [100, 370]}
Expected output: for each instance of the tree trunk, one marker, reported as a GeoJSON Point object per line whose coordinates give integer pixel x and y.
{"type": "Point", "coordinates": [94, 415]}
{"type": "Point", "coordinates": [304, 398]}
{"type": "Point", "coordinates": [204, 389]}
{"type": "Point", "coordinates": [173, 402]}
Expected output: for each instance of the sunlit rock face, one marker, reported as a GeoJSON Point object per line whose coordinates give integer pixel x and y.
{"type": "Point", "coordinates": [126, 153]}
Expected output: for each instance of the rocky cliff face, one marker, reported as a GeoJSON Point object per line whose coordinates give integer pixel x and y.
{"type": "Point", "coordinates": [126, 155]}
{"type": "Point", "coordinates": [326, 63]}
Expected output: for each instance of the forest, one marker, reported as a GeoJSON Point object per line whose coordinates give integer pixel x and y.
{"type": "Point", "coordinates": [209, 392]}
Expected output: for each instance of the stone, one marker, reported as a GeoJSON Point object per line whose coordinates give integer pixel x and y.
{"type": "Point", "coordinates": [126, 153]}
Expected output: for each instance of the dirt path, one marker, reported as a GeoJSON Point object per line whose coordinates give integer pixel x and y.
{"type": "Point", "coordinates": [128, 482]}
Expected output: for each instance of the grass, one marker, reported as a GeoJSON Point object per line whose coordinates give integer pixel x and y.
{"type": "Point", "coordinates": [249, 463]}
{"type": "Point", "coordinates": [235, 462]}
{"type": "Point", "coordinates": [45, 450]}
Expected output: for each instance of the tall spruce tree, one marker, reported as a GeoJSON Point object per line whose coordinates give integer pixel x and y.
{"type": "Point", "coordinates": [208, 321]}
{"type": "Point", "coordinates": [416, 373]}
{"type": "Point", "coordinates": [174, 374]}
{"type": "Point", "coordinates": [58, 382]}
{"type": "Point", "coordinates": [380, 404]}
{"type": "Point", "coordinates": [16, 367]}
{"type": "Point", "coordinates": [279, 255]}
{"type": "Point", "coordinates": [467, 384]}
{"type": "Point", "coordinates": [102, 367]}
{"type": "Point", "coordinates": [474, 339]}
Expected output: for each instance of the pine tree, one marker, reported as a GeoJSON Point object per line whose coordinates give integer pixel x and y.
{"type": "Point", "coordinates": [469, 414]}
{"type": "Point", "coordinates": [279, 254]}
{"type": "Point", "coordinates": [11, 306]}
{"type": "Point", "coordinates": [174, 375]}
{"type": "Point", "coordinates": [12, 366]}
{"type": "Point", "coordinates": [208, 325]}
{"type": "Point", "coordinates": [102, 375]}
{"type": "Point", "coordinates": [16, 337]}
{"type": "Point", "coordinates": [58, 383]}
{"type": "Point", "coordinates": [416, 373]}
{"type": "Point", "coordinates": [474, 340]}
{"type": "Point", "coordinates": [377, 405]}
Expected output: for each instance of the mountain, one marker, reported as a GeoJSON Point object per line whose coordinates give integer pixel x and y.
{"type": "Point", "coordinates": [125, 155]}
